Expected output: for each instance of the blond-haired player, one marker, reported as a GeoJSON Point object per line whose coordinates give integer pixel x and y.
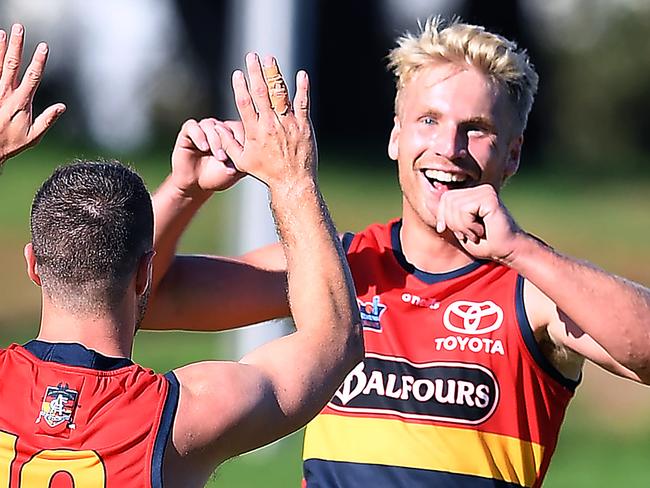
{"type": "Point", "coordinates": [475, 331]}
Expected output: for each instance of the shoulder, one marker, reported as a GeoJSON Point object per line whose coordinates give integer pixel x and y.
{"type": "Point", "coordinates": [374, 235]}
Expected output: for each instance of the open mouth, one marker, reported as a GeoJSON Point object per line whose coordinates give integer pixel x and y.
{"type": "Point", "coordinates": [443, 180]}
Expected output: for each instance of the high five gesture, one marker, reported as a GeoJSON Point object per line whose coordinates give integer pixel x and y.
{"type": "Point", "coordinates": [19, 129]}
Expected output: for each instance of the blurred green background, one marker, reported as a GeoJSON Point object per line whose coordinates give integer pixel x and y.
{"type": "Point", "coordinates": [606, 438]}
{"type": "Point", "coordinates": [584, 184]}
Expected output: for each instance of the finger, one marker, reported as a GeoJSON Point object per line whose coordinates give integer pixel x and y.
{"type": "Point", "coordinates": [214, 141]}
{"type": "Point", "coordinates": [3, 48]}
{"type": "Point", "coordinates": [44, 121]}
{"type": "Point", "coordinates": [277, 88]}
{"type": "Point", "coordinates": [441, 223]}
{"type": "Point", "coordinates": [33, 74]}
{"type": "Point", "coordinates": [301, 100]}
{"type": "Point", "coordinates": [478, 229]}
{"type": "Point", "coordinates": [259, 90]}
{"type": "Point", "coordinates": [11, 64]}
{"type": "Point", "coordinates": [237, 129]}
{"type": "Point", "coordinates": [243, 99]}
{"type": "Point", "coordinates": [460, 236]}
{"type": "Point", "coordinates": [196, 136]}
{"type": "Point", "coordinates": [219, 152]}
{"type": "Point", "coordinates": [230, 145]}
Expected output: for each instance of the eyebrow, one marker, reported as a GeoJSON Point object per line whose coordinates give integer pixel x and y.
{"type": "Point", "coordinates": [482, 122]}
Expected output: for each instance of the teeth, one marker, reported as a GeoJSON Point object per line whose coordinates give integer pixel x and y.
{"type": "Point", "coordinates": [435, 174]}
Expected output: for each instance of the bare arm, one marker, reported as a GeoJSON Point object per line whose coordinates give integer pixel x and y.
{"type": "Point", "coordinates": [588, 312]}
{"type": "Point", "coordinates": [211, 293]}
{"type": "Point", "coordinates": [207, 292]}
{"type": "Point", "coordinates": [199, 168]}
{"type": "Point", "coordinates": [229, 408]}
{"type": "Point", "coordinates": [599, 316]}
{"type": "Point", "coordinates": [18, 129]}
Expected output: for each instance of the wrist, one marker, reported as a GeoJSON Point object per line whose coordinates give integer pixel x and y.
{"type": "Point", "coordinates": [183, 194]}
{"type": "Point", "coordinates": [293, 189]}
{"type": "Point", "coordinates": [182, 191]}
{"type": "Point", "coordinates": [524, 251]}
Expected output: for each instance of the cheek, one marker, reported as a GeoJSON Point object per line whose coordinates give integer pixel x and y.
{"type": "Point", "coordinates": [482, 148]}
{"type": "Point", "coordinates": [488, 156]}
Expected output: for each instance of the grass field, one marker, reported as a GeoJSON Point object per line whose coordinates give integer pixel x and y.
{"type": "Point", "coordinates": [606, 437]}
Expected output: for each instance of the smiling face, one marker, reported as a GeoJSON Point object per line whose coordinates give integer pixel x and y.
{"type": "Point", "coordinates": [454, 129]}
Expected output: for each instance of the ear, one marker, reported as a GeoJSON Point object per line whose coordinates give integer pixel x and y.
{"type": "Point", "coordinates": [30, 260]}
{"type": "Point", "coordinates": [143, 273]}
{"type": "Point", "coordinates": [513, 157]}
{"type": "Point", "coordinates": [393, 144]}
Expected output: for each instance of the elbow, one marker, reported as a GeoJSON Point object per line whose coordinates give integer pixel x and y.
{"type": "Point", "coordinates": [637, 359]}
{"type": "Point", "coordinates": [641, 367]}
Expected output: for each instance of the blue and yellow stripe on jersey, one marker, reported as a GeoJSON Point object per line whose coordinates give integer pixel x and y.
{"type": "Point", "coordinates": [416, 454]}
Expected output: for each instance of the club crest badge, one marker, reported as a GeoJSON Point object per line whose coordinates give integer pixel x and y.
{"type": "Point", "coordinates": [371, 313]}
{"type": "Point", "coordinates": [57, 409]}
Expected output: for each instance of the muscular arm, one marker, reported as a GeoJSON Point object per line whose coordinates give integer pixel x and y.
{"type": "Point", "coordinates": [597, 315]}
{"type": "Point", "coordinates": [582, 310]}
{"type": "Point", "coordinates": [229, 408]}
{"type": "Point", "coordinates": [207, 292]}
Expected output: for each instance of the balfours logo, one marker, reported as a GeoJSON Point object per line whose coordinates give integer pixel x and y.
{"type": "Point", "coordinates": [443, 391]}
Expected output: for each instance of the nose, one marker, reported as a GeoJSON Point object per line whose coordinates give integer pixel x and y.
{"type": "Point", "coordinates": [449, 142]}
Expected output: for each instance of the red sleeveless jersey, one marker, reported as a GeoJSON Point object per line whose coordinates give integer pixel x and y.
{"type": "Point", "coordinates": [71, 417]}
{"type": "Point", "coordinates": [454, 390]}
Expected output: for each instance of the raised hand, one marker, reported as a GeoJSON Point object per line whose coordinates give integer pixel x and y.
{"type": "Point", "coordinates": [18, 129]}
{"type": "Point", "coordinates": [480, 222]}
{"type": "Point", "coordinates": [199, 164]}
{"type": "Point", "coordinates": [278, 149]}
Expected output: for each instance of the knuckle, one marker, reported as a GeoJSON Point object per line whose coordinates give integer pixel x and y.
{"type": "Point", "coordinates": [33, 76]}
{"type": "Point", "coordinates": [260, 90]}
{"type": "Point", "coordinates": [205, 124]}
{"type": "Point", "coordinates": [12, 63]}
{"type": "Point", "coordinates": [244, 102]}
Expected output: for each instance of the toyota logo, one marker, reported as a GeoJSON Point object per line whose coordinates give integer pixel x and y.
{"type": "Point", "coordinates": [475, 318]}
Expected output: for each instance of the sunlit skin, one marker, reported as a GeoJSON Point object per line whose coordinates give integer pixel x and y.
{"type": "Point", "coordinates": [450, 118]}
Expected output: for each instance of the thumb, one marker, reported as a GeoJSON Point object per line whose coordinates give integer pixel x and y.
{"type": "Point", "coordinates": [44, 121]}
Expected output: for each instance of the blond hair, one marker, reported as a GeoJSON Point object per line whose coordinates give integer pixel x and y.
{"type": "Point", "coordinates": [455, 42]}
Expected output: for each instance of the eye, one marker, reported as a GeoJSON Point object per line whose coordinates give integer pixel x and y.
{"type": "Point", "coordinates": [428, 120]}
{"type": "Point", "coordinates": [478, 130]}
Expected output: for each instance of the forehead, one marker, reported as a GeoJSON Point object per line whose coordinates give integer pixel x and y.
{"type": "Point", "coordinates": [458, 90]}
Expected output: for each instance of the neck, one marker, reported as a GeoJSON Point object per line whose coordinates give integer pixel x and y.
{"type": "Point", "coordinates": [428, 250]}
{"type": "Point", "coordinates": [110, 334]}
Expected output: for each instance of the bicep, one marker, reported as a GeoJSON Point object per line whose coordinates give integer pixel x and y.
{"type": "Point", "coordinates": [216, 293]}
{"type": "Point", "coordinates": [270, 258]}
{"type": "Point", "coordinates": [226, 409]}
{"type": "Point", "coordinates": [570, 343]}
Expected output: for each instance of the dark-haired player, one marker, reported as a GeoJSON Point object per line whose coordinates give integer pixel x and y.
{"type": "Point", "coordinates": [79, 412]}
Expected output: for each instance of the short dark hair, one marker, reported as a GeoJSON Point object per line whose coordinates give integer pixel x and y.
{"type": "Point", "coordinates": [91, 223]}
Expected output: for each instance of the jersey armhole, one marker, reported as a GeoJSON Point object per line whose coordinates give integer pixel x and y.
{"type": "Point", "coordinates": [165, 430]}
{"type": "Point", "coordinates": [531, 343]}
{"type": "Point", "coordinates": [346, 240]}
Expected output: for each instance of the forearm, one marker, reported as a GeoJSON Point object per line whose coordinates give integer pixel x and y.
{"type": "Point", "coordinates": [328, 340]}
{"type": "Point", "coordinates": [612, 310]}
{"type": "Point", "coordinates": [173, 211]}
{"type": "Point", "coordinates": [308, 235]}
